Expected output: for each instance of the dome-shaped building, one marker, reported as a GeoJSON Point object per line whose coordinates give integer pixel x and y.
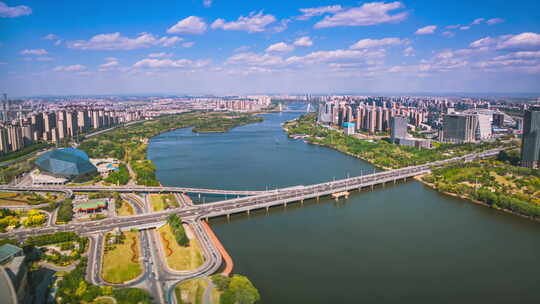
{"type": "Point", "coordinates": [66, 162]}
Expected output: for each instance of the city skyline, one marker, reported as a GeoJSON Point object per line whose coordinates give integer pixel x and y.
{"type": "Point", "coordinates": [214, 47]}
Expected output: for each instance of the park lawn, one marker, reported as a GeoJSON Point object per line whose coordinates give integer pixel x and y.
{"type": "Point", "coordinates": [157, 202]}
{"type": "Point", "coordinates": [118, 266]}
{"type": "Point", "coordinates": [182, 258]}
{"type": "Point", "coordinates": [125, 210]}
{"type": "Point", "coordinates": [20, 199]}
{"type": "Point", "coordinates": [192, 291]}
{"type": "Point", "coordinates": [104, 300]}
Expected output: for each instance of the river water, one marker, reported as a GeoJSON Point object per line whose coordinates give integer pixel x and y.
{"type": "Point", "coordinates": [404, 243]}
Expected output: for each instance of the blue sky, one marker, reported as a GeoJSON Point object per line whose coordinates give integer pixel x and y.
{"type": "Point", "coordinates": [242, 47]}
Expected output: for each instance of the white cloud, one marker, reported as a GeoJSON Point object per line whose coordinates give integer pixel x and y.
{"type": "Point", "coordinates": [187, 45]}
{"type": "Point", "coordinates": [494, 21]}
{"type": "Point", "coordinates": [114, 41]}
{"type": "Point", "coordinates": [522, 55]}
{"type": "Point", "coordinates": [371, 43]}
{"type": "Point", "coordinates": [111, 63]}
{"type": "Point", "coordinates": [409, 51]}
{"type": "Point", "coordinates": [280, 47]}
{"type": "Point", "coordinates": [368, 14]}
{"type": "Point", "coordinates": [189, 25]}
{"type": "Point", "coordinates": [523, 41]}
{"type": "Point", "coordinates": [14, 11]}
{"type": "Point", "coordinates": [448, 34]}
{"type": "Point", "coordinates": [303, 41]}
{"type": "Point", "coordinates": [50, 37]}
{"type": "Point", "coordinates": [483, 42]}
{"type": "Point", "coordinates": [242, 48]}
{"type": "Point", "coordinates": [426, 30]}
{"type": "Point", "coordinates": [207, 3]}
{"type": "Point", "coordinates": [453, 27]}
{"type": "Point", "coordinates": [70, 68]}
{"type": "Point", "coordinates": [170, 63]}
{"type": "Point", "coordinates": [254, 59]}
{"type": "Point", "coordinates": [464, 28]}
{"type": "Point", "coordinates": [254, 22]}
{"type": "Point", "coordinates": [478, 21]}
{"type": "Point", "coordinates": [57, 42]}
{"type": "Point", "coordinates": [317, 11]}
{"type": "Point", "coordinates": [159, 55]}
{"type": "Point", "coordinates": [34, 52]}
{"type": "Point", "coordinates": [337, 56]}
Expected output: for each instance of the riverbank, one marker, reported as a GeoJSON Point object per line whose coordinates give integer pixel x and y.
{"type": "Point", "coordinates": [130, 143]}
{"type": "Point", "coordinates": [517, 204]}
{"type": "Point", "coordinates": [472, 200]}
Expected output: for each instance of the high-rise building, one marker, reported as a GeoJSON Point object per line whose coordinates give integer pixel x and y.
{"type": "Point", "coordinates": [530, 148]}
{"type": "Point", "coordinates": [15, 138]}
{"type": "Point", "coordinates": [398, 127]}
{"type": "Point", "coordinates": [459, 128]}
{"type": "Point", "coordinates": [4, 143]}
{"type": "Point", "coordinates": [483, 130]}
{"type": "Point", "coordinates": [498, 119]}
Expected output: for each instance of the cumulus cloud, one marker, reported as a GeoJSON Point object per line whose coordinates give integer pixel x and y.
{"type": "Point", "coordinates": [111, 63]}
{"type": "Point", "coordinates": [465, 27]}
{"type": "Point", "coordinates": [368, 14]}
{"type": "Point", "coordinates": [70, 68]}
{"type": "Point", "coordinates": [448, 34]}
{"type": "Point", "coordinates": [187, 45]}
{"type": "Point", "coordinates": [408, 52]}
{"type": "Point", "coordinates": [159, 55]}
{"type": "Point", "coordinates": [254, 22]}
{"type": "Point", "coordinates": [14, 11]}
{"type": "Point", "coordinates": [170, 63]}
{"type": "Point", "coordinates": [318, 11]}
{"type": "Point", "coordinates": [207, 3]}
{"type": "Point", "coordinates": [303, 41]}
{"type": "Point", "coordinates": [37, 52]}
{"type": "Point", "coordinates": [494, 21]}
{"type": "Point", "coordinates": [115, 41]}
{"type": "Point", "coordinates": [336, 56]}
{"type": "Point", "coordinates": [478, 21]}
{"type": "Point", "coordinates": [254, 59]}
{"type": "Point", "coordinates": [371, 43]}
{"type": "Point", "coordinates": [426, 30]}
{"type": "Point", "coordinates": [50, 37]}
{"type": "Point", "coordinates": [280, 47]}
{"type": "Point", "coordinates": [190, 25]}
{"type": "Point", "coordinates": [524, 41]}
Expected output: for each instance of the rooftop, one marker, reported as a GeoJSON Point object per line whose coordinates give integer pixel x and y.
{"type": "Point", "coordinates": [7, 251]}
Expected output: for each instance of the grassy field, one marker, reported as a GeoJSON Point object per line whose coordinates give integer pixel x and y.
{"type": "Point", "coordinates": [104, 300]}
{"type": "Point", "coordinates": [178, 257]}
{"type": "Point", "coordinates": [163, 201]}
{"type": "Point", "coordinates": [118, 266]}
{"type": "Point", "coordinates": [192, 291]}
{"type": "Point", "coordinates": [125, 210]}
{"type": "Point", "coordinates": [20, 199]}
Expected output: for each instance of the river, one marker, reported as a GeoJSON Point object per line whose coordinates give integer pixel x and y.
{"type": "Point", "coordinates": [404, 243]}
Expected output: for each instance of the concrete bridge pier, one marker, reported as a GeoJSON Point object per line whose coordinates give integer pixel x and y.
{"type": "Point", "coordinates": [267, 209]}
{"type": "Point", "coordinates": [228, 217]}
{"type": "Point", "coordinates": [248, 211]}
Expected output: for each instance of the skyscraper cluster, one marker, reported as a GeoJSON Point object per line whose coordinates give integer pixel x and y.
{"type": "Point", "coordinates": [370, 116]}
{"type": "Point", "coordinates": [56, 126]}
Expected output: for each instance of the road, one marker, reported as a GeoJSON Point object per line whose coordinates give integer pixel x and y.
{"type": "Point", "coordinates": [162, 279]}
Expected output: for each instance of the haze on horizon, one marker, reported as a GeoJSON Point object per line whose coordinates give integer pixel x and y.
{"type": "Point", "coordinates": [222, 47]}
